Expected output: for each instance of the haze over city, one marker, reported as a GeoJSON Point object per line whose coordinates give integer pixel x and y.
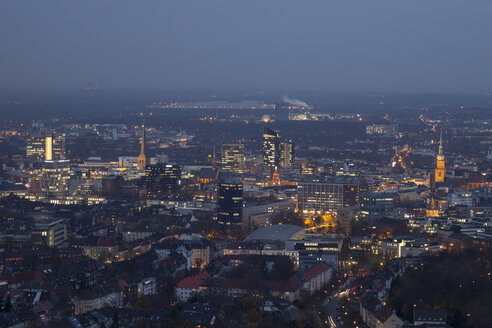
{"type": "Point", "coordinates": [246, 164]}
{"type": "Point", "coordinates": [438, 46]}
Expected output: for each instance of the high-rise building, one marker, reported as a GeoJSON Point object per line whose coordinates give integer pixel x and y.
{"type": "Point", "coordinates": [440, 171]}
{"type": "Point", "coordinates": [271, 147]}
{"type": "Point", "coordinates": [233, 158]}
{"type": "Point", "coordinates": [45, 147]}
{"type": "Point", "coordinates": [376, 205]}
{"type": "Point", "coordinates": [275, 152]}
{"type": "Point", "coordinates": [323, 197]}
{"type": "Point", "coordinates": [142, 158]}
{"type": "Point", "coordinates": [286, 154]}
{"type": "Point", "coordinates": [162, 179]}
{"type": "Point", "coordinates": [48, 148]}
{"type": "Point", "coordinates": [230, 203]}
{"type": "Point", "coordinates": [35, 145]}
{"type": "Point", "coordinates": [55, 178]}
{"type": "Point", "coordinates": [58, 147]}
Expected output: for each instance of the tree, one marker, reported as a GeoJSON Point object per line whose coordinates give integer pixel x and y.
{"type": "Point", "coordinates": [249, 303]}
{"type": "Point", "coordinates": [252, 318]}
{"type": "Point", "coordinates": [8, 304]}
{"type": "Point", "coordinates": [288, 217]}
{"type": "Point", "coordinates": [446, 282]}
{"type": "Point", "coordinates": [142, 323]}
{"type": "Point", "coordinates": [115, 323]}
{"type": "Point", "coordinates": [309, 319]}
{"type": "Point", "coordinates": [283, 268]}
{"type": "Point", "coordinates": [143, 302]}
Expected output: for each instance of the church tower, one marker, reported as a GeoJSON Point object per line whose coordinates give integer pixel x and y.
{"type": "Point", "coordinates": [142, 158]}
{"type": "Point", "coordinates": [440, 171]}
{"type": "Point", "coordinates": [432, 210]}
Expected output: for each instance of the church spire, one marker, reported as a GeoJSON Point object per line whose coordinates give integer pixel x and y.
{"type": "Point", "coordinates": [441, 149]}
{"type": "Point", "coordinates": [440, 171]}
{"type": "Point", "coordinates": [142, 143]}
{"type": "Point", "coordinates": [142, 158]}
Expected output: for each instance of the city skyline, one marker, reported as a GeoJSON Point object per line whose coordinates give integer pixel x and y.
{"type": "Point", "coordinates": [246, 164]}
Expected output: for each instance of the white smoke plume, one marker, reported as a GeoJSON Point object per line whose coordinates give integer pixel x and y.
{"type": "Point", "coordinates": [295, 102]}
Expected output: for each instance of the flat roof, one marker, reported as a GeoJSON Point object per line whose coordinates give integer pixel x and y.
{"type": "Point", "coordinates": [282, 232]}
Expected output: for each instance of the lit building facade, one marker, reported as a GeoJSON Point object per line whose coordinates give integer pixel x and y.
{"type": "Point", "coordinates": [162, 179]}
{"type": "Point", "coordinates": [271, 147]}
{"type": "Point", "coordinates": [325, 197]}
{"type": "Point", "coordinates": [287, 154]}
{"type": "Point", "coordinates": [233, 158]}
{"type": "Point", "coordinates": [45, 147]}
{"type": "Point", "coordinates": [35, 148]}
{"type": "Point", "coordinates": [376, 205]}
{"type": "Point", "coordinates": [50, 232]}
{"type": "Point", "coordinates": [55, 178]}
{"type": "Point", "coordinates": [275, 152]}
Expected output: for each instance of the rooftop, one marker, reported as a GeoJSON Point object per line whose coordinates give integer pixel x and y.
{"type": "Point", "coordinates": [281, 232]}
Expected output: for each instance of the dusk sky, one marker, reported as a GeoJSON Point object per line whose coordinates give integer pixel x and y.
{"type": "Point", "coordinates": [348, 46]}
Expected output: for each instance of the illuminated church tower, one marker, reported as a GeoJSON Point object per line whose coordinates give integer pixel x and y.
{"type": "Point", "coordinates": [440, 171]}
{"type": "Point", "coordinates": [142, 159]}
{"type": "Point", "coordinates": [432, 210]}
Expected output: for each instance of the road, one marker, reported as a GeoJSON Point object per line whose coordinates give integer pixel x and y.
{"type": "Point", "coordinates": [332, 302]}
{"type": "Point", "coordinates": [331, 309]}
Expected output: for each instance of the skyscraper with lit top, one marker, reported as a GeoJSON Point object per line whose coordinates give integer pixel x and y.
{"type": "Point", "coordinates": [233, 158]}
{"type": "Point", "coordinates": [271, 147]}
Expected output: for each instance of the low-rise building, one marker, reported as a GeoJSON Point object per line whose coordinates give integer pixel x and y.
{"type": "Point", "coordinates": [190, 286]}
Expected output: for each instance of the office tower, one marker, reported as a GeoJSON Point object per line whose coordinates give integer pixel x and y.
{"type": "Point", "coordinates": [376, 205]}
{"type": "Point", "coordinates": [230, 202]}
{"type": "Point", "coordinates": [55, 178]}
{"type": "Point", "coordinates": [35, 145]}
{"type": "Point", "coordinates": [275, 152]}
{"type": "Point", "coordinates": [233, 158]}
{"type": "Point", "coordinates": [142, 158]}
{"type": "Point", "coordinates": [440, 171]}
{"type": "Point", "coordinates": [326, 197]}
{"type": "Point", "coordinates": [58, 146]}
{"type": "Point", "coordinates": [286, 154]}
{"type": "Point", "coordinates": [271, 147]}
{"type": "Point", "coordinates": [162, 179]}
{"type": "Point", "coordinates": [45, 147]}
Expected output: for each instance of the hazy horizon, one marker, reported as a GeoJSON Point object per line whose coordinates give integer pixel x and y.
{"type": "Point", "coordinates": [359, 46]}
